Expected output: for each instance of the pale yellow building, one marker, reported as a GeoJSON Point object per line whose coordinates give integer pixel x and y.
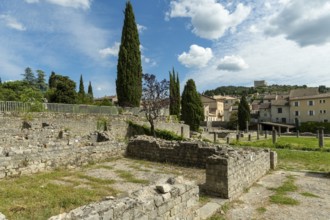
{"type": "Point", "coordinates": [310, 108]}
{"type": "Point", "coordinates": [213, 109]}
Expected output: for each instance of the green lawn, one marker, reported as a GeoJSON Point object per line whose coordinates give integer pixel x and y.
{"type": "Point", "coordinates": [301, 143]}
{"type": "Point", "coordinates": [295, 153]}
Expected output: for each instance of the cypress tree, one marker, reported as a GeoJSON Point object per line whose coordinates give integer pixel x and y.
{"type": "Point", "coordinates": [129, 68]}
{"type": "Point", "coordinates": [174, 94]}
{"type": "Point", "coordinates": [81, 91]}
{"type": "Point", "coordinates": [90, 90]}
{"type": "Point", "coordinates": [191, 106]}
{"type": "Point", "coordinates": [52, 81]}
{"type": "Point", "coordinates": [0, 81]}
{"type": "Point", "coordinates": [243, 113]}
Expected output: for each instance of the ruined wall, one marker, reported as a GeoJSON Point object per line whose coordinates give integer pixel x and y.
{"type": "Point", "coordinates": [85, 123]}
{"type": "Point", "coordinates": [229, 171]}
{"type": "Point", "coordinates": [185, 153]}
{"type": "Point", "coordinates": [165, 201]}
{"type": "Point", "coordinates": [229, 175]}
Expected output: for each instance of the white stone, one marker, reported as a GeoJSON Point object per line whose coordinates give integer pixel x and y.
{"type": "Point", "coordinates": [164, 188]}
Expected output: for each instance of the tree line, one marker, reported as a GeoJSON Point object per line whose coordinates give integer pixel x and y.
{"type": "Point", "coordinates": [34, 88]}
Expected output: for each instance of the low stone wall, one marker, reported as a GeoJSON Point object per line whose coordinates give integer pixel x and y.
{"type": "Point", "coordinates": [163, 201]}
{"type": "Point", "coordinates": [82, 124]}
{"type": "Point", "coordinates": [20, 160]}
{"type": "Point", "coordinates": [228, 171]}
{"type": "Point", "coordinates": [229, 175]}
{"type": "Point", "coordinates": [193, 154]}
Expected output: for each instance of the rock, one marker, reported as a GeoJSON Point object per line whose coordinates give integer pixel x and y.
{"type": "Point", "coordinates": [44, 125]}
{"type": "Point", "coordinates": [164, 188]}
{"type": "Point", "coordinates": [60, 135]}
{"type": "Point", "coordinates": [109, 198]}
{"type": "Point", "coordinates": [26, 125]}
{"type": "Point", "coordinates": [102, 137]}
{"type": "Point", "coordinates": [2, 217]}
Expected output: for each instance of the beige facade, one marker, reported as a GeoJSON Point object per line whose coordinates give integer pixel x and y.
{"type": "Point", "coordinates": [213, 109]}
{"type": "Point", "coordinates": [310, 108]}
{"type": "Point", "coordinates": [280, 111]}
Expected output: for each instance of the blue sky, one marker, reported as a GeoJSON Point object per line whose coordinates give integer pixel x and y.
{"type": "Point", "coordinates": [214, 42]}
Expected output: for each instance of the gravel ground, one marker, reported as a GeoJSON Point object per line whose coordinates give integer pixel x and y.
{"type": "Point", "coordinates": [255, 203]}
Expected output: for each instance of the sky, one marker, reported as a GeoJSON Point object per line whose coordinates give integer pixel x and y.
{"type": "Point", "coordinates": [214, 42]}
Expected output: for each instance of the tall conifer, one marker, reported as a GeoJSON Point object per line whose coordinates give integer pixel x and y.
{"type": "Point", "coordinates": [129, 68]}
{"type": "Point", "coordinates": [191, 106]}
{"type": "Point", "coordinates": [90, 90]}
{"type": "Point", "coordinates": [81, 91]}
{"type": "Point", "coordinates": [243, 113]}
{"type": "Point", "coordinates": [174, 94]}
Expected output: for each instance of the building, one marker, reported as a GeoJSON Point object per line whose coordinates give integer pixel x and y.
{"type": "Point", "coordinates": [213, 109]}
{"type": "Point", "coordinates": [260, 83]}
{"type": "Point", "coordinates": [309, 106]}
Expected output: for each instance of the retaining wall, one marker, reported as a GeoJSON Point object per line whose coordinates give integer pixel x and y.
{"type": "Point", "coordinates": [165, 201]}
{"type": "Point", "coordinates": [229, 171]}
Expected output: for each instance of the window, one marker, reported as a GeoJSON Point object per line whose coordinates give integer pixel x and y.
{"type": "Point", "coordinates": [321, 111]}
{"type": "Point", "coordinates": [279, 110]}
{"type": "Point", "coordinates": [320, 101]}
{"type": "Point", "coordinates": [276, 119]}
{"type": "Point", "coordinates": [325, 120]}
{"type": "Point", "coordinates": [311, 113]}
{"type": "Point", "coordinates": [296, 113]}
{"type": "Point", "coordinates": [324, 101]}
{"type": "Point", "coordinates": [310, 103]}
{"type": "Point", "coordinates": [283, 120]}
{"type": "Point", "coordinates": [324, 111]}
{"type": "Point", "coordinates": [296, 103]}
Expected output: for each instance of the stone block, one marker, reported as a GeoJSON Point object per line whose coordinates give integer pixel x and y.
{"type": "Point", "coordinates": [164, 188]}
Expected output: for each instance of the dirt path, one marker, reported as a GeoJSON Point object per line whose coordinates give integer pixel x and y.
{"type": "Point", "coordinates": [313, 195]}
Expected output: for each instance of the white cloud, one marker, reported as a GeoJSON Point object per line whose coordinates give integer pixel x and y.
{"type": "Point", "coordinates": [84, 4]}
{"type": "Point", "coordinates": [305, 22]}
{"type": "Point", "coordinates": [209, 18]}
{"type": "Point", "coordinates": [110, 51]}
{"type": "Point", "coordinates": [232, 63]}
{"type": "Point", "coordinates": [141, 28]}
{"type": "Point", "coordinates": [11, 22]}
{"type": "Point", "coordinates": [196, 57]}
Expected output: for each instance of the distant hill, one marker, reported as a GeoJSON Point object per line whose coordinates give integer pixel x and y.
{"type": "Point", "coordinates": [240, 90]}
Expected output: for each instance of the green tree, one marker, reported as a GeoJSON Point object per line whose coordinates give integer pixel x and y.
{"type": "Point", "coordinates": [191, 106]}
{"type": "Point", "coordinates": [28, 76]}
{"type": "Point", "coordinates": [0, 81]}
{"type": "Point", "coordinates": [41, 83]}
{"type": "Point", "coordinates": [154, 98]}
{"type": "Point", "coordinates": [90, 92]}
{"type": "Point", "coordinates": [64, 92]}
{"type": "Point", "coordinates": [81, 92]}
{"type": "Point", "coordinates": [243, 113]}
{"type": "Point", "coordinates": [34, 97]}
{"type": "Point", "coordinates": [52, 81]}
{"type": "Point", "coordinates": [129, 68]}
{"type": "Point", "coordinates": [175, 98]}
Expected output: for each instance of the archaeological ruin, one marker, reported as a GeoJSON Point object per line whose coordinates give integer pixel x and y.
{"type": "Point", "coordinates": [37, 142]}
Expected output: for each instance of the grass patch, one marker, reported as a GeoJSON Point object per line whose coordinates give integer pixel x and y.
{"type": "Point", "coordinates": [36, 197]}
{"type": "Point", "coordinates": [104, 167]}
{"type": "Point", "coordinates": [203, 199]}
{"type": "Point", "coordinates": [307, 194]}
{"type": "Point", "coordinates": [284, 200]}
{"type": "Point", "coordinates": [129, 177]}
{"type": "Point", "coordinates": [261, 210]}
{"type": "Point", "coordinates": [95, 180]}
{"type": "Point", "coordinates": [280, 196]}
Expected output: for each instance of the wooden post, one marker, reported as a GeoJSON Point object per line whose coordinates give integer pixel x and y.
{"type": "Point", "coordinates": [247, 126]}
{"type": "Point", "coordinates": [214, 137]}
{"type": "Point", "coordinates": [266, 134]}
{"type": "Point", "coordinates": [298, 134]}
{"type": "Point", "coordinates": [227, 139]}
{"type": "Point", "coordinates": [237, 137]}
{"type": "Point", "coordinates": [181, 131]}
{"type": "Point", "coordinates": [279, 131]}
{"type": "Point", "coordinates": [249, 137]}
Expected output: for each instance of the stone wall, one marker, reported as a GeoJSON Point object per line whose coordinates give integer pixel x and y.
{"type": "Point", "coordinates": [83, 123]}
{"type": "Point", "coordinates": [174, 200]}
{"type": "Point", "coordinates": [185, 153]}
{"type": "Point", "coordinates": [229, 175]}
{"type": "Point", "coordinates": [229, 171]}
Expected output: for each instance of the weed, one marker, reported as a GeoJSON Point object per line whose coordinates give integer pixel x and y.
{"type": "Point", "coordinates": [307, 194]}
{"type": "Point", "coordinates": [261, 210]}
{"type": "Point", "coordinates": [280, 196]}
{"type": "Point", "coordinates": [284, 200]}
{"type": "Point", "coordinates": [129, 177]}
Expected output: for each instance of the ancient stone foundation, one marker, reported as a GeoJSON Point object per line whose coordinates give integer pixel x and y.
{"type": "Point", "coordinates": [229, 171]}
{"type": "Point", "coordinates": [174, 200]}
